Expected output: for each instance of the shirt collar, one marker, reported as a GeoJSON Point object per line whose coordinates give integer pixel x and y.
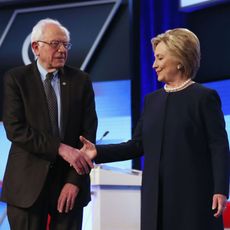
{"type": "Point", "coordinates": [43, 72]}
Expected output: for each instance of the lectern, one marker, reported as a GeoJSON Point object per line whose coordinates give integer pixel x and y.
{"type": "Point", "coordinates": [115, 201]}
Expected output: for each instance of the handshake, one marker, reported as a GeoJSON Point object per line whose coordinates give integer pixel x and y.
{"type": "Point", "coordinates": [79, 159]}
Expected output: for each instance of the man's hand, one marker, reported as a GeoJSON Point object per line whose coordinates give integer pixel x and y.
{"type": "Point", "coordinates": [88, 148]}
{"type": "Point", "coordinates": [67, 198]}
{"type": "Point", "coordinates": [79, 161]}
{"type": "Point", "coordinates": [219, 202]}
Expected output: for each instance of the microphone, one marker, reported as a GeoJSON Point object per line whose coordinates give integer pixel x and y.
{"type": "Point", "coordinates": [102, 137]}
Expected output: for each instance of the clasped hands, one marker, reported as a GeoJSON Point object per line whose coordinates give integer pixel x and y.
{"type": "Point", "coordinates": [79, 159]}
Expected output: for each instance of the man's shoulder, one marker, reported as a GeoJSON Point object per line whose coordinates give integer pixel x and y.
{"type": "Point", "coordinates": [74, 73]}
{"type": "Point", "coordinates": [20, 70]}
{"type": "Point", "coordinates": [74, 70]}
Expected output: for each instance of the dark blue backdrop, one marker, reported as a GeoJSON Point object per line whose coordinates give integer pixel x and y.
{"type": "Point", "coordinates": [155, 17]}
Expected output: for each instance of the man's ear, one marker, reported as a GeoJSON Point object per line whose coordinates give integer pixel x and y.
{"type": "Point", "coordinates": [35, 48]}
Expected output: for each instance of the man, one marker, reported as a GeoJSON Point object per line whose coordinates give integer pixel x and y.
{"type": "Point", "coordinates": [43, 122]}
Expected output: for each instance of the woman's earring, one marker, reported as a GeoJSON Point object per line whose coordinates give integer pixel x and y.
{"type": "Point", "coordinates": [179, 66]}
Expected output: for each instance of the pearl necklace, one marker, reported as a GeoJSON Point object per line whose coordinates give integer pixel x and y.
{"type": "Point", "coordinates": [180, 87]}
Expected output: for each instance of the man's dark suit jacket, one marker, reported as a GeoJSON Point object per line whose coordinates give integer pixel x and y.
{"type": "Point", "coordinates": [34, 150]}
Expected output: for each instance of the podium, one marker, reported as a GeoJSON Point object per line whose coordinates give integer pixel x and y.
{"type": "Point", "coordinates": [115, 198]}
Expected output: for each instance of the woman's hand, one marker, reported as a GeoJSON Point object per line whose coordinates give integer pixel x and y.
{"type": "Point", "coordinates": [76, 159]}
{"type": "Point", "coordinates": [219, 202]}
{"type": "Point", "coordinates": [88, 148]}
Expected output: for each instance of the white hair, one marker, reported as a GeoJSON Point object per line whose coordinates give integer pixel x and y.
{"type": "Point", "coordinates": [38, 29]}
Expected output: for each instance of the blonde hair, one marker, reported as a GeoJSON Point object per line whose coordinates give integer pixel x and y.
{"type": "Point", "coordinates": [184, 45]}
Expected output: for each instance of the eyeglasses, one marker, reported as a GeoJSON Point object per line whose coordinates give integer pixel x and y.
{"type": "Point", "coordinates": [57, 44]}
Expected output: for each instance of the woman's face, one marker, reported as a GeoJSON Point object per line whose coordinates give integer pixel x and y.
{"type": "Point", "coordinates": [165, 64]}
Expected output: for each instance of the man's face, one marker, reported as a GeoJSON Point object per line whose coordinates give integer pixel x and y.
{"type": "Point", "coordinates": [49, 56]}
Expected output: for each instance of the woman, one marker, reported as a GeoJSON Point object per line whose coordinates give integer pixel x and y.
{"type": "Point", "coordinates": [183, 138]}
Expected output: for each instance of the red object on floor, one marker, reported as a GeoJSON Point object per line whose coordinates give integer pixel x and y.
{"type": "Point", "coordinates": [226, 216]}
{"type": "Point", "coordinates": [48, 223]}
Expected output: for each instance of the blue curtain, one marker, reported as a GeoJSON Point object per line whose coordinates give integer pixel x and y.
{"type": "Point", "coordinates": [156, 16]}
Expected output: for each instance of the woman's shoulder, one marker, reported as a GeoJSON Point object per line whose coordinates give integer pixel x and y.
{"type": "Point", "coordinates": [196, 90]}
{"type": "Point", "coordinates": [156, 96]}
{"type": "Point", "coordinates": [202, 94]}
{"type": "Point", "coordinates": [201, 88]}
{"type": "Point", "coordinates": [156, 93]}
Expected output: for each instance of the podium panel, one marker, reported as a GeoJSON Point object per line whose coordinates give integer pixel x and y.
{"type": "Point", "coordinates": [115, 198]}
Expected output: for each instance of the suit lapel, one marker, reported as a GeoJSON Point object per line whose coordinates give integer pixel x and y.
{"type": "Point", "coordinates": [65, 95]}
{"type": "Point", "coordinates": [41, 101]}
{"type": "Point", "coordinates": [39, 93]}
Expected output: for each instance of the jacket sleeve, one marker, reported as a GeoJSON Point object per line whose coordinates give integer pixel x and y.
{"type": "Point", "coordinates": [123, 151]}
{"type": "Point", "coordinates": [217, 141]}
{"type": "Point", "coordinates": [88, 128]}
